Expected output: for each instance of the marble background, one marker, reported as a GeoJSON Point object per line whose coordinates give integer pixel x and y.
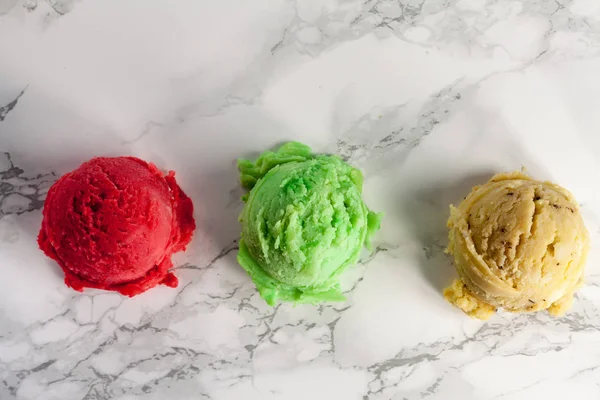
{"type": "Point", "coordinates": [428, 97]}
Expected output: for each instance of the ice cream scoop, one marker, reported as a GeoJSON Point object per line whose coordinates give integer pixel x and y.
{"type": "Point", "coordinates": [113, 224]}
{"type": "Point", "coordinates": [303, 224]}
{"type": "Point", "coordinates": [518, 244]}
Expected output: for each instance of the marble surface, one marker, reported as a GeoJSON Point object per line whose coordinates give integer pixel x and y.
{"type": "Point", "coordinates": [428, 97]}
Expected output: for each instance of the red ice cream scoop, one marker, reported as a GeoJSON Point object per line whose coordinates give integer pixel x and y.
{"type": "Point", "coordinates": [113, 224]}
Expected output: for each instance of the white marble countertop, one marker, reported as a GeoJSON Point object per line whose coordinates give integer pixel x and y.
{"type": "Point", "coordinates": [427, 97]}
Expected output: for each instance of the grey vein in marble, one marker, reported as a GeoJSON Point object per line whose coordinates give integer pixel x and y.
{"type": "Point", "coordinates": [20, 193]}
{"type": "Point", "coordinates": [4, 110]}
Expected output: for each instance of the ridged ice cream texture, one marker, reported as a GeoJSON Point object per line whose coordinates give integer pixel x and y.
{"type": "Point", "coordinates": [518, 244]}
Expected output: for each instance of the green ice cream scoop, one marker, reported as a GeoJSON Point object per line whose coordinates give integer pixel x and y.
{"type": "Point", "coordinates": [303, 224]}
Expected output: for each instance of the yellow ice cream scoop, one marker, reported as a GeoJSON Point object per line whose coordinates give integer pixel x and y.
{"type": "Point", "coordinates": [518, 244]}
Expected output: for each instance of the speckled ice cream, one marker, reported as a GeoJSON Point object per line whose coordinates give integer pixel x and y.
{"type": "Point", "coordinates": [518, 244]}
